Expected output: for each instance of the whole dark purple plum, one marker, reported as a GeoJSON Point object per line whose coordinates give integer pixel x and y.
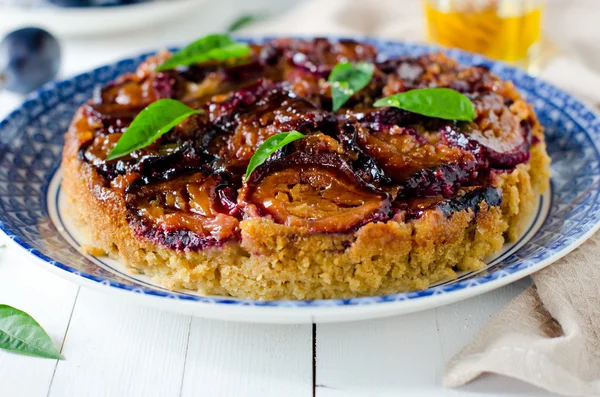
{"type": "Point", "coordinates": [29, 58]}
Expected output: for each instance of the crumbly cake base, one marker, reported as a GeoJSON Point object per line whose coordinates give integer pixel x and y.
{"type": "Point", "coordinates": [274, 261]}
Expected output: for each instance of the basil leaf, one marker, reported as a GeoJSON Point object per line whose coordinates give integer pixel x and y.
{"type": "Point", "coordinates": [20, 333]}
{"type": "Point", "coordinates": [346, 79]}
{"type": "Point", "coordinates": [214, 47]}
{"type": "Point", "coordinates": [442, 103]}
{"type": "Point", "coordinates": [153, 122]}
{"type": "Point", "coordinates": [270, 146]}
{"type": "Point", "coordinates": [243, 21]}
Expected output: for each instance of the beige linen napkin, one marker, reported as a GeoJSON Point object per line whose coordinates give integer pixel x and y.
{"type": "Point", "coordinates": [550, 335]}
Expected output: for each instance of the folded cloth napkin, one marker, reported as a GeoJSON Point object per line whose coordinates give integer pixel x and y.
{"type": "Point", "coordinates": [550, 335]}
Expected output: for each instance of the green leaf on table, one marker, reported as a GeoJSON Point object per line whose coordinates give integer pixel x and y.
{"type": "Point", "coordinates": [152, 122]}
{"type": "Point", "coordinates": [214, 47]}
{"type": "Point", "coordinates": [270, 146]}
{"type": "Point", "coordinates": [442, 103]}
{"type": "Point", "coordinates": [348, 78]}
{"type": "Point", "coordinates": [20, 333]}
{"type": "Point", "coordinates": [244, 21]}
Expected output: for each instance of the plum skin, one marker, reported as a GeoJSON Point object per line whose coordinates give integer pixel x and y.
{"type": "Point", "coordinates": [29, 58]}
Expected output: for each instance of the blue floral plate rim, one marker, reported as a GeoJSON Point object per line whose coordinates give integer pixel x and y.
{"type": "Point", "coordinates": [537, 90]}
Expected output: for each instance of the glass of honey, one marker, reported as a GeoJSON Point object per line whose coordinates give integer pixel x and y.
{"type": "Point", "coordinates": [507, 30]}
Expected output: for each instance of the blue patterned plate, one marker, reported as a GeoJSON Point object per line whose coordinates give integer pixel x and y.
{"type": "Point", "coordinates": [32, 208]}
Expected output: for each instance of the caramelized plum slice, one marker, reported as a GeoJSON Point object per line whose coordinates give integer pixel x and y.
{"type": "Point", "coordinates": [197, 203]}
{"type": "Point", "coordinates": [183, 189]}
{"type": "Point", "coordinates": [444, 180]}
{"type": "Point", "coordinates": [437, 70]}
{"type": "Point", "coordinates": [157, 161]}
{"type": "Point", "coordinates": [417, 164]}
{"type": "Point", "coordinates": [310, 184]}
{"type": "Point", "coordinates": [251, 115]}
{"type": "Point", "coordinates": [140, 89]}
{"type": "Point", "coordinates": [401, 153]}
{"type": "Point", "coordinates": [122, 100]}
{"type": "Point", "coordinates": [504, 134]}
{"type": "Point", "coordinates": [306, 64]}
{"type": "Point", "coordinates": [495, 152]}
{"type": "Point", "coordinates": [319, 56]}
{"type": "Point", "coordinates": [317, 199]}
{"type": "Point", "coordinates": [115, 106]}
{"type": "Point", "coordinates": [323, 150]}
{"type": "Point", "coordinates": [111, 117]}
{"type": "Point", "coordinates": [199, 83]}
{"type": "Point", "coordinates": [96, 151]}
{"type": "Point", "coordinates": [278, 112]}
{"type": "Point", "coordinates": [472, 199]}
{"type": "Point", "coordinates": [465, 199]}
{"type": "Point", "coordinates": [362, 163]}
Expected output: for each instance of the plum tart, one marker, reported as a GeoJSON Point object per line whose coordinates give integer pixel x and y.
{"type": "Point", "coordinates": [371, 200]}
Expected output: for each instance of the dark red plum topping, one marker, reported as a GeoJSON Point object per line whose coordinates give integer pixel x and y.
{"type": "Point", "coordinates": [187, 190]}
{"type": "Point", "coordinates": [471, 200]}
{"type": "Point", "coordinates": [444, 180]}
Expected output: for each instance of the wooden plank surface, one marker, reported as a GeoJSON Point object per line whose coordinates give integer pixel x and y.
{"type": "Point", "coordinates": [407, 353]}
{"type": "Point", "coordinates": [50, 301]}
{"type": "Point", "coordinates": [234, 359]}
{"type": "Point", "coordinates": [116, 348]}
{"type": "Point", "coordinates": [387, 355]}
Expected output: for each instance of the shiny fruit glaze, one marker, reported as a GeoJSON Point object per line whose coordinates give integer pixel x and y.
{"type": "Point", "coordinates": [317, 200]}
{"type": "Point", "coordinates": [357, 165]}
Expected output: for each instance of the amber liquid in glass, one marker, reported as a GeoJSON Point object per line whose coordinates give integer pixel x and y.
{"type": "Point", "coordinates": [508, 31]}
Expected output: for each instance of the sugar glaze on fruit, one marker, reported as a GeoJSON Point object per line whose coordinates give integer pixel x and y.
{"type": "Point", "coordinates": [358, 165]}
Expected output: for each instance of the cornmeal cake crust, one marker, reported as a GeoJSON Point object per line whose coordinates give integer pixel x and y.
{"type": "Point", "coordinates": [379, 258]}
{"type": "Point", "coordinates": [267, 259]}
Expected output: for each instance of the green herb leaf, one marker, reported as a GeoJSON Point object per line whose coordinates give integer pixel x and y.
{"type": "Point", "coordinates": [154, 121]}
{"type": "Point", "coordinates": [270, 146]}
{"type": "Point", "coordinates": [442, 103]}
{"type": "Point", "coordinates": [214, 47]}
{"type": "Point", "coordinates": [346, 79]}
{"type": "Point", "coordinates": [20, 333]}
{"type": "Point", "coordinates": [243, 21]}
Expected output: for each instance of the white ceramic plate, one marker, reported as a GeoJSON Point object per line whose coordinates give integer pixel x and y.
{"type": "Point", "coordinates": [95, 20]}
{"type": "Point", "coordinates": [32, 210]}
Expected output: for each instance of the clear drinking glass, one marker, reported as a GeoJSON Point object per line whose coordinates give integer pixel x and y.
{"type": "Point", "coordinates": [508, 30]}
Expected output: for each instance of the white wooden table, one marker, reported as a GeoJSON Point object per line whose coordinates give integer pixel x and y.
{"type": "Point", "coordinates": [115, 348]}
